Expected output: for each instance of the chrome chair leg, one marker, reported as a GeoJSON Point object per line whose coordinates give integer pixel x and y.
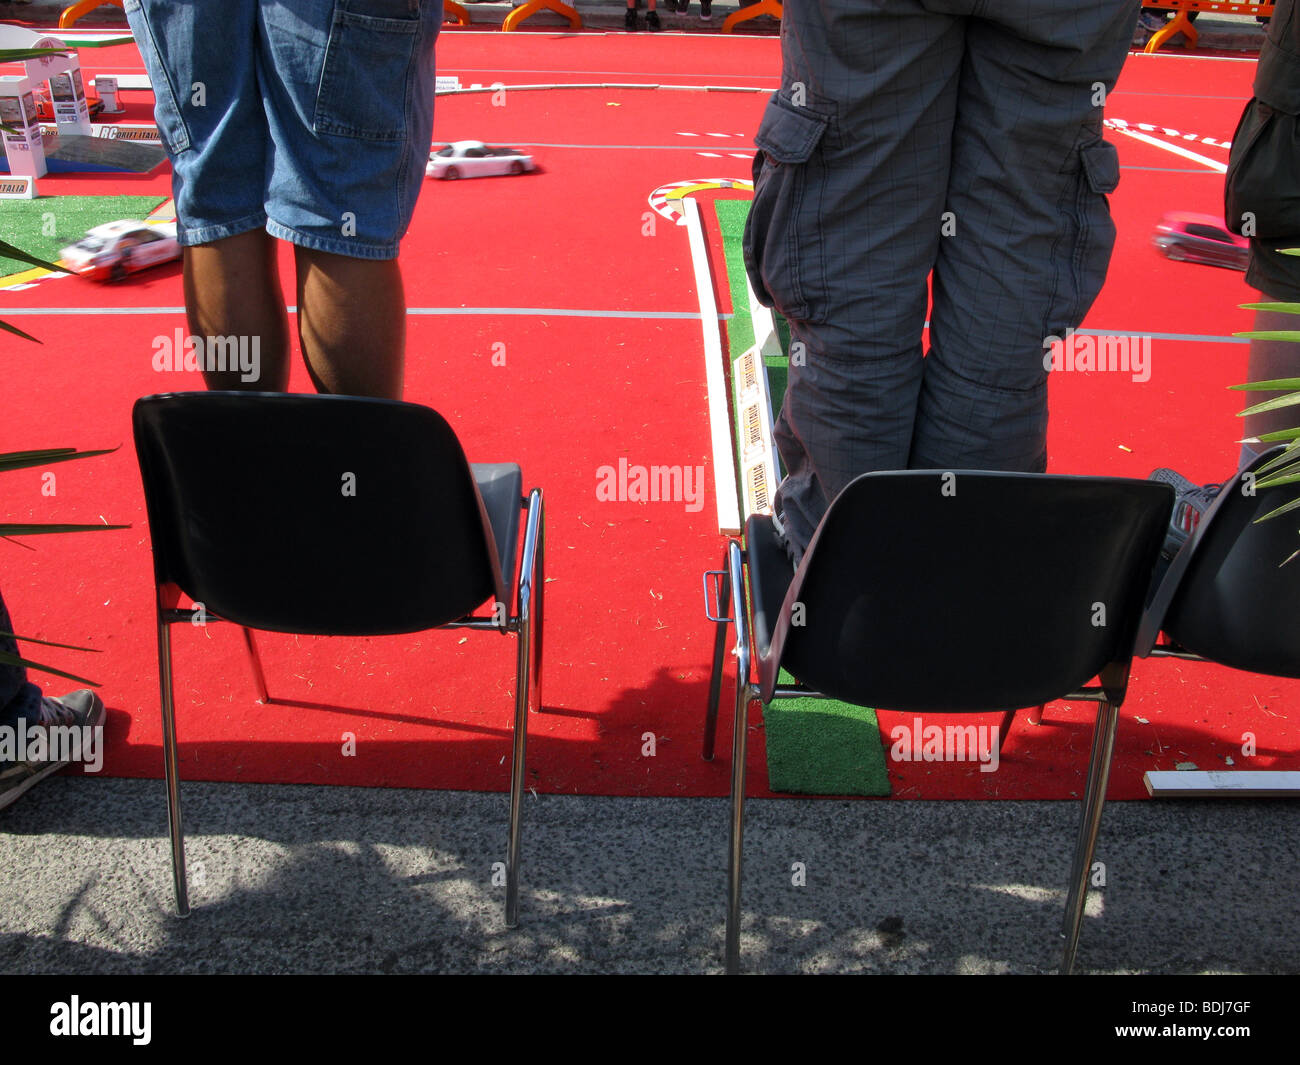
{"type": "Point", "coordinates": [170, 770]}
{"type": "Point", "coordinates": [259, 677]}
{"type": "Point", "coordinates": [745, 692]}
{"type": "Point", "coordinates": [1103, 745]}
{"type": "Point", "coordinates": [526, 666]}
{"type": "Point", "coordinates": [523, 670]}
{"type": "Point", "coordinates": [539, 595]}
{"type": "Point", "coordinates": [719, 654]}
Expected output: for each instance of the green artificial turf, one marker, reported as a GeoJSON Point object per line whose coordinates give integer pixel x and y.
{"type": "Point", "coordinates": [821, 747]}
{"type": "Point", "coordinates": [47, 224]}
{"type": "Point", "coordinates": [814, 746]}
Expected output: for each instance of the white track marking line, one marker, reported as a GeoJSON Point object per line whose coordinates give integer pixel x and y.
{"type": "Point", "coordinates": [1177, 149]}
{"type": "Point", "coordinates": [724, 462]}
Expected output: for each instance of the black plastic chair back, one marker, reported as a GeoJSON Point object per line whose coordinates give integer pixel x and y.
{"type": "Point", "coordinates": [313, 514]}
{"type": "Point", "coordinates": [964, 591]}
{"type": "Point", "coordinates": [1236, 603]}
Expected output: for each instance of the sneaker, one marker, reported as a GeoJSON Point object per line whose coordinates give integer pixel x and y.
{"type": "Point", "coordinates": [1151, 22]}
{"type": "Point", "coordinates": [1192, 502]}
{"type": "Point", "coordinates": [706, 9]}
{"type": "Point", "coordinates": [81, 708]}
{"type": "Point", "coordinates": [629, 20]}
{"type": "Point", "coordinates": [652, 21]}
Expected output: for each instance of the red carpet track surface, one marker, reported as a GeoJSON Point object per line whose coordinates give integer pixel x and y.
{"type": "Point", "coordinates": [627, 643]}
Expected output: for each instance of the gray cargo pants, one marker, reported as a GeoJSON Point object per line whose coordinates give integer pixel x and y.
{"type": "Point", "coordinates": [962, 137]}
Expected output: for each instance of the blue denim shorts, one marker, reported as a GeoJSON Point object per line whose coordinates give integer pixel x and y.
{"type": "Point", "coordinates": [311, 119]}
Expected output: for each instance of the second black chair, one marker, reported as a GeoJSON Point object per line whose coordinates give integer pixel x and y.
{"type": "Point", "coordinates": [947, 592]}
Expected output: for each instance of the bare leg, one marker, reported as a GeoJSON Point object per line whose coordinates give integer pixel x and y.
{"type": "Point", "coordinates": [352, 323]}
{"type": "Point", "coordinates": [232, 289]}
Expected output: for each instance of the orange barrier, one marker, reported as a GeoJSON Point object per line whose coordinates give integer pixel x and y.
{"type": "Point", "coordinates": [452, 11]}
{"type": "Point", "coordinates": [763, 7]}
{"type": "Point", "coordinates": [1180, 23]}
{"type": "Point", "coordinates": [82, 7]}
{"type": "Point", "coordinates": [531, 8]}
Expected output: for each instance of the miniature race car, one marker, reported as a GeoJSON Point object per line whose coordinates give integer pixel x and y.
{"type": "Point", "coordinates": [115, 249]}
{"type": "Point", "coordinates": [45, 106]}
{"type": "Point", "coordinates": [1200, 238]}
{"type": "Point", "coordinates": [467, 159]}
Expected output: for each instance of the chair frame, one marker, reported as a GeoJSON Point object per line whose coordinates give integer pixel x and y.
{"type": "Point", "coordinates": [526, 623]}
{"type": "Point", "coordinates": [725, 604]}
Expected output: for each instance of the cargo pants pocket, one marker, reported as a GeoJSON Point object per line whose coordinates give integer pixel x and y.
{"type": "Point", "coordinates": [783, 234]}
{"type": "Point", "coordinates": [1092, 233]}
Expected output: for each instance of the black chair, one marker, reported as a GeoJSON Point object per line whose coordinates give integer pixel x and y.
{"type": "Point", "coordinates": [334, 515]}
{"type": "Point", "coordinates": [1228, 596]}
{"type": "Point", "coordinates": [945, 592]}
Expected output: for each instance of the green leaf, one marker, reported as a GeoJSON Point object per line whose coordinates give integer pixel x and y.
{"type": "Point", "coordinates": [1272, 404]}
{"type": "Point", "coordinates": [9, 251]}
{"type": "Point", "coordinates": [37, 530]}
{"type": "Point", "coordinates": [1280, 384]}
{"type": "Point", "coordinates": [18, 332]}
{"type": "Point", "coordinates": [1270, 334]}
{"type": "Point", "coordinates": [99, 42]}
{"type": "Point", "coordinates": [1280, 434]}
{"type": "Point", "coordinates": [18, 460]}
{"type": "Point", "coordinates": [1280, 308]}
{"type": "Point", "coordinates": [49, 643]}
{"type": "Point", "coordinates": [1270, 468]}
{"type": "Point", "coordinates": [1288, 476]}
{"type": "Point", "coordinates": [1292, 451]}
{"type": "Point", "coordinates": [1293, 505]}
{"type": "Point", "coordinates": [15, 55]}
{"type": "Point", "coordinates": [14, 660]}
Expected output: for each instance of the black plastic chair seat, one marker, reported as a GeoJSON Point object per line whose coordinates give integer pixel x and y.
{"type": "Point", "coordinates": [962, 590]}
{"type": "Point", "coordinates": [354, 537]}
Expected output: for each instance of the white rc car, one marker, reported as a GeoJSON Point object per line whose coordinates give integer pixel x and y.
{"type": "Point", "coordinates": [468, 159]}
{"type": "Point", "coordinates": [115, 249]}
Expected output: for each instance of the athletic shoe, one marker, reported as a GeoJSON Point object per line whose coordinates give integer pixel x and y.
{"type": "Point", "coordinates": [81, 708]}
{"type": "Point", "coordinates": [652, 21]}
{"type": "Point", "coordinates": [1151, 22]}
{"type": "Point", "coordinates": [629, 20]}
{"type": "Point", "coordinates": [1192, 501]}
{"type": "Point", "coordinates": [706, 9]}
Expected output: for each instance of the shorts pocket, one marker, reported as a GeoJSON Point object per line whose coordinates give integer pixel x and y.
{"type": "Point", "coordinates": [167, 112]}
{"type": "Point", "coordinates": [783, 234]}
{"type": "Point", "coordinates": [1093, 231]}
{"type": "Point", "coordinates": [369, 67]}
